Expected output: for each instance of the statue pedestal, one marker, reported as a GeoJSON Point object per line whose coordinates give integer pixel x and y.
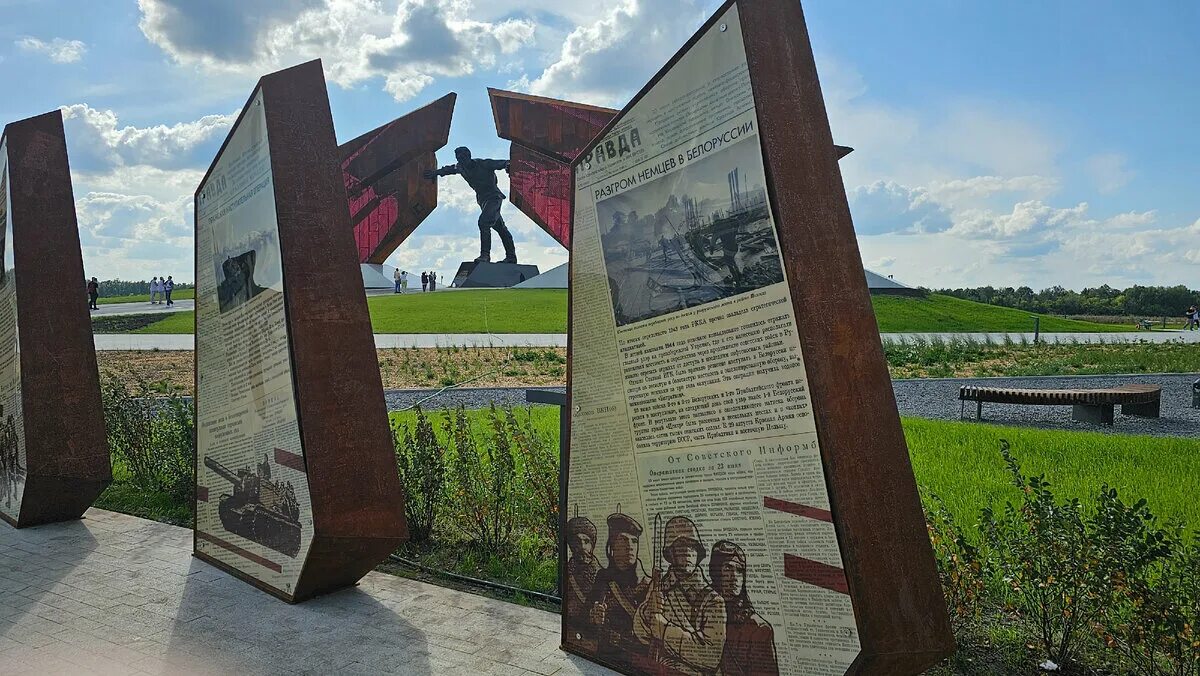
{"type": "Point", "coordinates": [472, 275]}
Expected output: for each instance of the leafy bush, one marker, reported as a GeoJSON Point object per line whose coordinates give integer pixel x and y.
{"type": "Point", "coordinates": [960, 567]}
{"type": "Point", "coordinates": [152, 436]}
{"type": "Point", "coordinates": [1063, 568]}
{"type": "Point", "coordinates": [539, 456]}
{"type": "Point", "coordinates": [484, 500]}
{"type": "Point", "coordinates": [422, 469]}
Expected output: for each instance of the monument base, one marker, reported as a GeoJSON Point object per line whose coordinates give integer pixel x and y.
{"type": "Point", "coordinates": [472, 275]}
{"type": "Point", "coordinates": [377, 276]}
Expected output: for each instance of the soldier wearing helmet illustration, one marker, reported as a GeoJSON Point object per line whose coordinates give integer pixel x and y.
{"type": "Point", "coordinates": [749, 639]}
{"type": "Point", "coordinates": [618, 591]}
{"type": "Point", "coordinates": [682, 619]}
{"type": "Point", "coordinates": [582, 568]}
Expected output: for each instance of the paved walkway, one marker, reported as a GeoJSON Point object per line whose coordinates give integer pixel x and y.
{"type": "Point", "coordinates": [185, 341]}
{"type": "Point", "coordinates": [144, 308]}
{"type": "Point", "coordinates": [114, 594]}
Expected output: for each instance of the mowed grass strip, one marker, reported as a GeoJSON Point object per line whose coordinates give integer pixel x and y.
{"type": "Point", "coordinates": [176, 322]}
{"type": "Point", "coordinates": [936, 313]}
{"type": "Point", "coordinates": [968, 358]}
{"type": "Point", "coordinates": [471, 311]}
{"type": "Point", "coordinates": [961, 462]}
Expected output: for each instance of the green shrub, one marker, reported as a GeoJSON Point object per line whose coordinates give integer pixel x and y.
{"type": "Point", "coordinates": [539, 456]}
{"type": "Point", "coordinates": [1062, 567]}
{"type": "Point", "coordinates": [152, 436]}
{"type": "Point", "coordinates": [484, 504]}
{"type": "Point", "coordinates": [421, 465]}
{"type": "Point", "coordinates": [960, 568]}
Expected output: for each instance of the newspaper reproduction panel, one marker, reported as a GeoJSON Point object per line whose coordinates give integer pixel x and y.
{"type": "Point", "coordinates": [253, 511]}
{"type": "Point", "coordinates": [13, 461]}
{"type": "Point", "coordinates": [700, 534]}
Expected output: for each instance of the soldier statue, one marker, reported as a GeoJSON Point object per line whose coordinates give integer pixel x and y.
{"type": "Point", "coordinates": [480, 174]}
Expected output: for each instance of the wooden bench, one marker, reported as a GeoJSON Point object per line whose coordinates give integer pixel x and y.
{"type": "Point", "coordinates": [1091, 406]}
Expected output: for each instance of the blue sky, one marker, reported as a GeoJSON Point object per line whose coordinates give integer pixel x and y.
{"type": "Point", "coordinates": [996, 143]}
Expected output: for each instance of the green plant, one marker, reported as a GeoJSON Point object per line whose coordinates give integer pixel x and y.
{"type": "Point", "coordinates": [960, 568]}
{"type": "Point", "coordinates": [484, 501]}
{"type": "Point", "coordinates": [421, 465]}
{"type": "Point", "coordinates": [539, 463]}
{"type": "Point", "coordinates": [152, 436]}
{"type": "Point", "coordinates": [1062, 567]}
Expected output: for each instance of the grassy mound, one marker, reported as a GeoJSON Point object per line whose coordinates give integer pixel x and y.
{"type": "Point", "coordinates": [944, 314]}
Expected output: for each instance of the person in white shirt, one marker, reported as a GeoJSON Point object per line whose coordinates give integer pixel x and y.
{"type": "Point", "coordinates": [155, 287]}
{"type": "Point", "coordinates": [404, 282]}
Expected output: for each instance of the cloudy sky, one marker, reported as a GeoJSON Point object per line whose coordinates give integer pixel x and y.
{"type": "Point", "coordinates": [1005, 143]}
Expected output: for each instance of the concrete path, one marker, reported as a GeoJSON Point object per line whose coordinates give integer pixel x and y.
{"type": "Point", "coordinates": [185, 341]}
{"type": "Point", "coordinates": [114, 594]}
{"type": "Point", "coordinates": [143, 308]}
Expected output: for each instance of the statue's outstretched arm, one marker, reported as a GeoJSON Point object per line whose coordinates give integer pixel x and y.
{"type": "Point", "coordinates": [448, 170]}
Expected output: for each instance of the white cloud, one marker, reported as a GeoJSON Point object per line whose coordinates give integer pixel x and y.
{"type": "Point", "coordinates": [406, 43]}
{"type": "Point", "coordinates": [58, 49]}
{"type": "Point", "coordinates": [97, 140]}
{"type": "Point", "coordinates": [605, 61]}
{"type": "Point", "coordinates": [885, 206]}
{"type": "Point", "coordinates": [1109, 171]}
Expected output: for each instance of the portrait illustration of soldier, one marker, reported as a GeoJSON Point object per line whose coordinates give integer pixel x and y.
{"type": "Point", "coordinates": [12, 472]}
{"type": "Point", "coordinates": [616, 594]}
{"type": "Point", "coordinates": [582, 568]}
{"type": "Point", "coordinates": [238, 286]}
{"type": "Point", "coordinates": [749, 639]}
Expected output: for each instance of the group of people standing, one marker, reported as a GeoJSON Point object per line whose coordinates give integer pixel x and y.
{"type": "Point", "coordinates": [160, 290]}
{"type": "Point", "coordinates": [428, 281]}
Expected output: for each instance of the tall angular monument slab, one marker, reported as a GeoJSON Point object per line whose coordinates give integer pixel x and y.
{"type": "Point", "coordinates": [53, 450]}
{"type": "Point", "coordinates": [382, 169]}
{"type": "Point", "coordinates": [736, 456]}
{"type": "Point", "coordinates": [546, 135]}
{"type": "Point", "coordinates": [296, 485]}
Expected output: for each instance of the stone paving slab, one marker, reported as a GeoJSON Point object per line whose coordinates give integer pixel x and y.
{"type": "Point", "coordinates": [114, 594]}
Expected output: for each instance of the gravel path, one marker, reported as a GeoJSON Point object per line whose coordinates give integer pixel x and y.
{"type": "Point", "coordinates": [931, 398]}
{"type": "Point", "coordinates": [938, 398]}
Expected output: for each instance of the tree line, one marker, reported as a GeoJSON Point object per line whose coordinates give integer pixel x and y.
{"type": "Point", "coordinates": [124, 287]}
{"type": "Point", "coordinates": [1136, 301]}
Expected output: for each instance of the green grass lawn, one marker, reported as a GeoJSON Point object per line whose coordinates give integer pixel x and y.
{"type": "Point", "coordinates": [177, 322]}
{"type": "Point", "coordinates": [177, 294]}
{"type": "Point", "coordinates": [482, 311]}
{"type": "Point", "coordinates": [961, 462]}
{"type": "Point", "coordinates": [940, 314]}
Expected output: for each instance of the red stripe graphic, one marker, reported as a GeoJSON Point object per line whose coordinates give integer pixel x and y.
{"type": "Point", "coordinates": [815, 573]}
{"type": "Point", "coordinates": [798, 509]}
{"type": "Point", "coordinates": [202, 493]}
{"type": "Point", "coordinates": [289, 459]}
{"type": "Point", "coordinates": [265, 563]}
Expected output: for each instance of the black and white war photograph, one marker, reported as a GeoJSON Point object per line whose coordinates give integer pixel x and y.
{"type": "Point", "coordinates": [697, 235]}
{"type": "Point", "coordinates": [247, 263]}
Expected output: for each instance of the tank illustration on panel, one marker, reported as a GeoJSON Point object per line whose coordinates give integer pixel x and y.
{"type": "Point", "coordinates": [260, 509]}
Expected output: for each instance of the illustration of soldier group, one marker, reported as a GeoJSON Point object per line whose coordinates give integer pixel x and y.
{"type": "Point", "coordinates": [675, 621]}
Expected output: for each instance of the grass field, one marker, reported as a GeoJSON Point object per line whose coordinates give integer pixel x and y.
{"type": "Point", "coordinates": [483, 311]}
{"type": "Point", "coordinates": [941, 314]}
{"type": "Point", "coordinates": [178, 322]}
{"type": "Point", "coordinates": [177, 294]}
{"type": "Point", "coordinates": [967, 358]}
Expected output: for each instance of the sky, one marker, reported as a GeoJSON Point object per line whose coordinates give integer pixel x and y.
{"type": "Point", "coordinates": [1016, 143]}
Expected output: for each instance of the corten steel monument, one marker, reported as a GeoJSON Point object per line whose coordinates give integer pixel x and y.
{"type": "Point", "coordinates": [382, 171]}
{"type": "Point", "coordinates": [546, 134]}
{"type": "Point", "coordinates": [296, 485]}
{"type": "Point", "coordinates": [736, 456]}
{"type": "Point", "coordinates": [53, 450]}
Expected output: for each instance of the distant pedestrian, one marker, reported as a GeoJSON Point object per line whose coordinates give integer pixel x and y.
{"type": "Point", "coordinates": [93, 288]}
{"type": "Point", "coordinates": [396, 280]}
{"type": "Point", "coordinates": [1193, 318]}
{"type": "Point", "coordinates": [403, 281]}
{"type": "Point", "coordinates": [167, 287]}
{"type": "Point", "coordinates": [424, 281]}
{"type": "Point", "coordinates": [432, 280]}
{"type": "Point", "coordinates": [155, 288]}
